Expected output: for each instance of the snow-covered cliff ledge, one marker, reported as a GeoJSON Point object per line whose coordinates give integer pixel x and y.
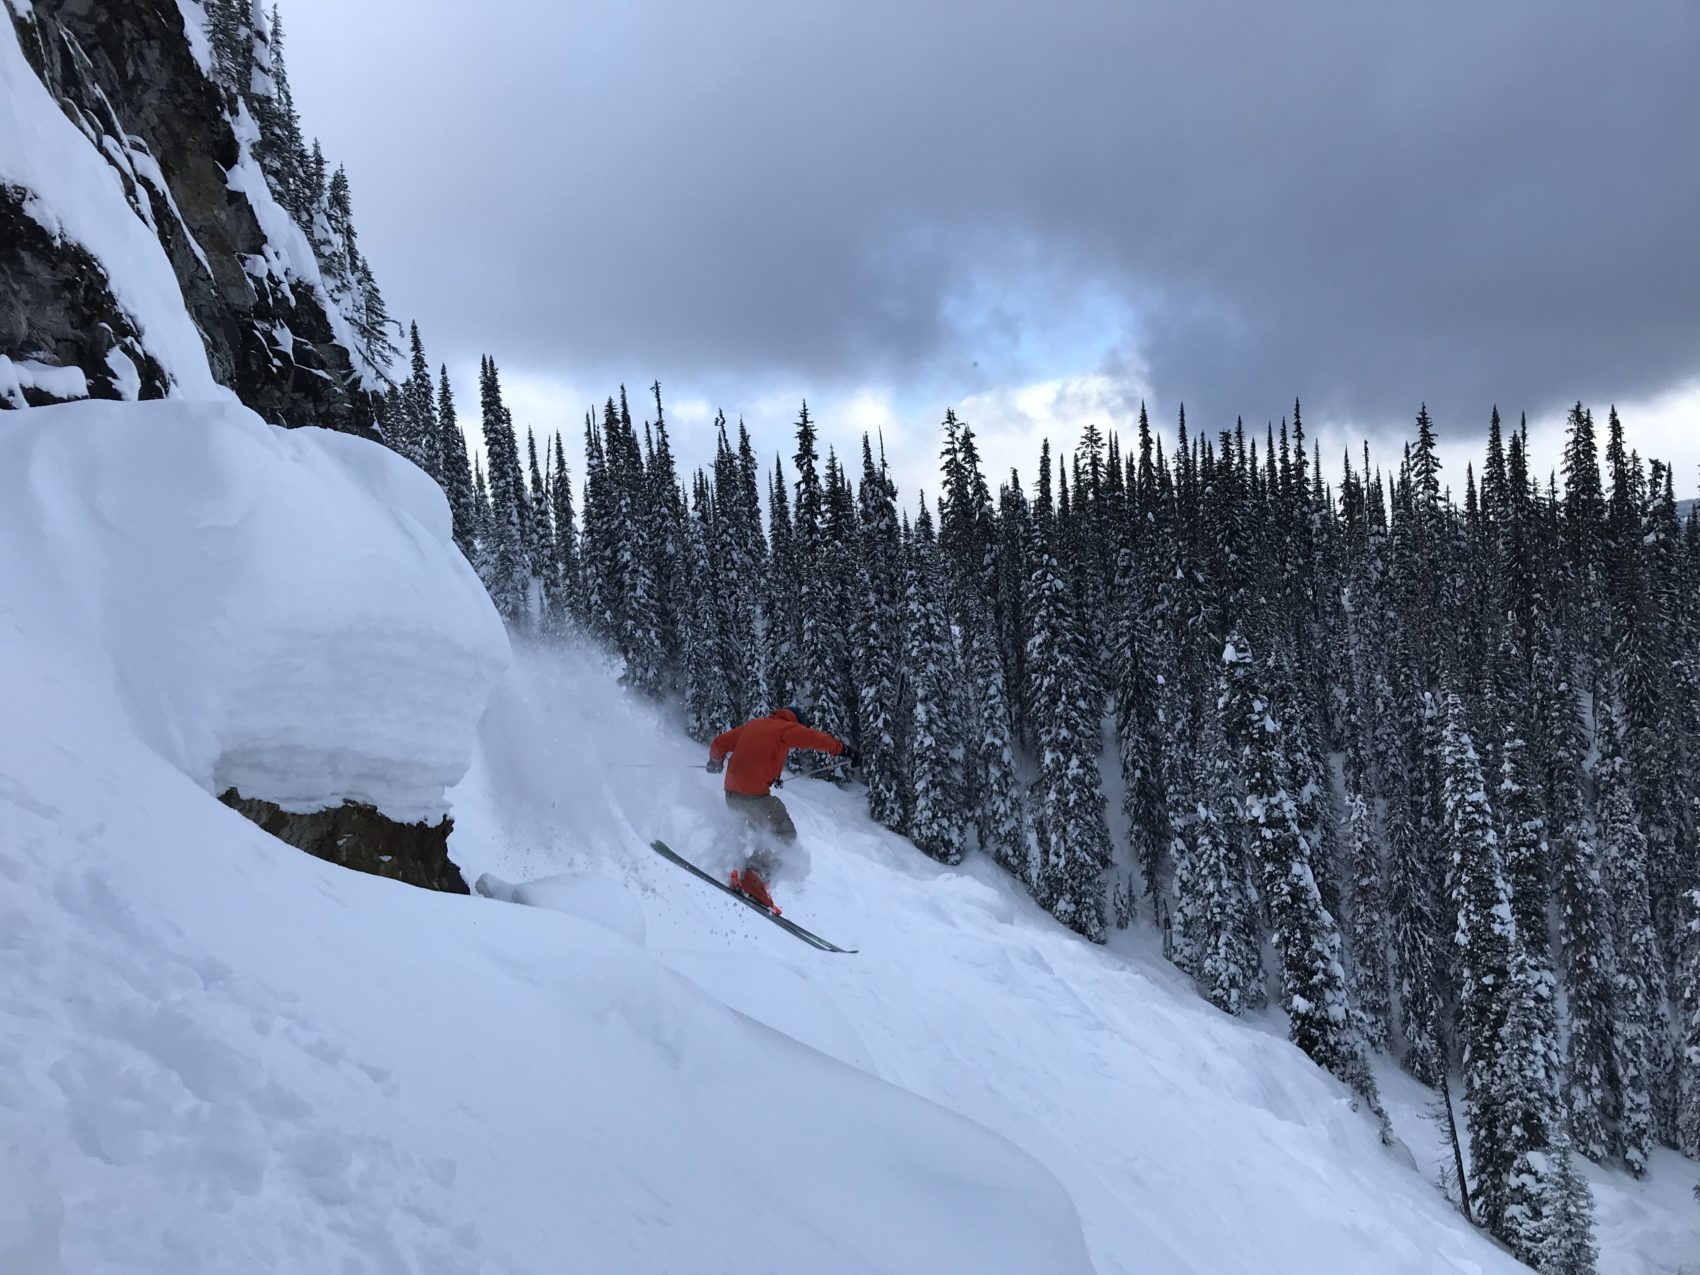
{"type": "Point", "coordinates": [280, 612]}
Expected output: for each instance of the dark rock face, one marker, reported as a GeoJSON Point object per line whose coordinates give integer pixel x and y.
{"type": "Point", "coordinates": [56, 308]}
{"type": "Point", "coordinates": [123, 72]}
{"type": "Point", "coordinates": [358, 837]}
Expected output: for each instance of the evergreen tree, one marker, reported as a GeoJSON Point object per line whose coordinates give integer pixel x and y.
{"type": "Point", "coordinates": [1214, 926]}
{"type": "Point", "coordinates": [663, 510]}
{"type": "Point", "coordinates": [1487, 954]}
{"type": "Point", "coordinates": [601, 559]}
{"type": "Point", "coordinates": [1073, 836]}
{"type": "Point", "coordinates": [1138, 679]}
{"type": "Point", "coordinates": [457, 473]}
{"type": "Point", "coordinates": [540, 531]}
{"type": "Point", "coordinates": [999, 813]}
{"type": "Point", "coordinates": [736, 551]}
{"type": "Point", "coordinates": [875, 669]}
{"type": "Point", "coordinates": [1639, 1023]}
{"type": "Point", "coordinates": [565, 604]}
{"type": "Point", "coordinates": [708, 704]}
{"type": "Point", "coordinates": [784, 633]}
{"type": "Point", "coordinates": [1369, 939]}
{"type": "Point", "coordinates": [935, 818]}
{"type": "Point", "coordinates": [1313, 981]}
{"type": "Point", "coordinates": [638, 624]}
{"type": "Point", "coordinates": [506, 568]}
{"type": "Point", "coordinates": [1688, 992]}
{"type": "Point", "coordinates": [417, 435]}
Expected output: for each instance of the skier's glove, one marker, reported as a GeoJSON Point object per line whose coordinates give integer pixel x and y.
{"type": "Point", "coordinates": [849, 755]}
{"type": "Point", "coordinates": [716, 765]}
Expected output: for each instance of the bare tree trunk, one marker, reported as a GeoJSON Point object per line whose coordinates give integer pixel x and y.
{"type": "Point", "coordinates": [1457, 1150]}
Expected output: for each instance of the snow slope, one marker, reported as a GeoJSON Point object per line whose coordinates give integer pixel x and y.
{"type": "Point", "coordinates": [218, 1054]}
{"type": "Point", "coordinates": [1189, 1141]}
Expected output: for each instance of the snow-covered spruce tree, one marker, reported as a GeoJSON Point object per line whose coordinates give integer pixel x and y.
{"type": "Point", "coordinates": [1639, 1026]}
{"type": "Point", "coordinates": [1369, 941]}
{"type": "Point", "coordinates": [1068, 811]}
{"type": "Point", "coordinates": [1214, 928]}
{"type": "Point", "coordinates": [1587, 952]}
{"type": "Point", "coordinates": [1522, 825]}
{"type": "Point", "coordinates": [835, 698]}
{"type": "Point", "coordinates": [1013, 569]}
{"type": "Point", "coordinates": [540, 531]}
{"type": "Point", "coordinates": [600, 559]}
{"type": "Point", "coordinates": [1688, 1029]}
{"type": "Point", "coordinates": [565, 603]}
{"type": "Point", "coordinates": [873, 640]}
{"type": "Point", "coordinates": [665, 515]}
{"type": "Point", "coordinates": [968, 556]}
{"type": "Point", "coordinates": [1583, 529]}
{"type": "Point", "coordinates": [416, 434]}
{"type": "Point", "coordinates": [821, 639]}
{"type": "Point", "coordinates": [1313, 981]}
{"type": "Point", "coordinates": [708, 705]}
{"type": "Point", "coordinates": [1486, 956]}
{"type": "Point", "coordinates": [506, 568]}
{"type": "Point", "coordinates": [1137, 681]}
{"type": "Point", "coordinates": [783, 603]}
{"type": "Point", "coordinates": [738, 569]}
{"type": "Point", "coordinates": [1547, 1214]}
{"type": "Point", "coordinates": [481, 534]}
{"type": "Point", "coordinates": [932, 781]}
{"type": "Point", "coordinates": [1000, 816]}
{"type": "Point", "coordinates": [637, 616]}
{"type": "Point", "coordinates": [1569, 1247]}
{"type": "Point", "coordinates": [457, 473]}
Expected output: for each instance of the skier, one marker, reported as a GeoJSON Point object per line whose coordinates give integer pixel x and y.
{"type": "Point", "coordinates": [759, 748]}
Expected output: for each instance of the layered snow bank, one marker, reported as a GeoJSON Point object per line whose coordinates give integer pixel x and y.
{"type": "Point", "coordinates": [279, 611]}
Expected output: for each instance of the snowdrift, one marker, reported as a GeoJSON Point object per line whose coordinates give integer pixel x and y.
{"type": "Point", "coordinates": [282, 611]}
{"type": "Point", "coordinates": [219, 1054]}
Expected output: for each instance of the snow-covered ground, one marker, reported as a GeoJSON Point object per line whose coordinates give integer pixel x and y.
{"type": "Point", "coordinates": [1190, 1142]}
{"type": "Point", "coordinates": [219, 1054]}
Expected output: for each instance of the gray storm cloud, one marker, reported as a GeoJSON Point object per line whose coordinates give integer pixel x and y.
{"type": "Point", "coordinates": [1366, 205]}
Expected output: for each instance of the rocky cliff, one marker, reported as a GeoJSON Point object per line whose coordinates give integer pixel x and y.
{"type": "Point", "coordinates": [132, 76]}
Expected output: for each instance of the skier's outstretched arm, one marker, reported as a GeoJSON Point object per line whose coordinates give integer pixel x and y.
{"type": "Point", "coordinates": [723, 743]}
{"type": "Point", "coordinates": [816, 741]}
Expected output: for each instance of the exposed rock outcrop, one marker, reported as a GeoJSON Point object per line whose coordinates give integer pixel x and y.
{"type": "Point", "coordinates": [357, 836]}
{"type": "Point", "coordinates": [125, 74]}
{"type": "Point", "coordinates": [56, 309]}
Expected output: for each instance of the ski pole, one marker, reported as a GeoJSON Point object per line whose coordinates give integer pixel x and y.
{"type": "Point", "coordinates": [815, 770]}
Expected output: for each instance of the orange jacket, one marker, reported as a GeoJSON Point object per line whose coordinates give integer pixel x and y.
{"type": "Point", "coordinates": [759, 748]}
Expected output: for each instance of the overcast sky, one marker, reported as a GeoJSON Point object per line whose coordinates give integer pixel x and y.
{"type": "Point", "coordinates": [1039, 213]}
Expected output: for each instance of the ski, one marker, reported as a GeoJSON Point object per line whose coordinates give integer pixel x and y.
{"type": "Point", "coordinates": [812, 939]}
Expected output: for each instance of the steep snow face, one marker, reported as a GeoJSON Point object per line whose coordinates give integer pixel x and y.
{"type": "Point", "coordinates": [219, 1054]}
{"type": "Point", "coordinates": [74, 193]}
{"type": "Point", "coordinates": [1191, 1142]}
{"type": "Point", "coordinates": [279, 611]}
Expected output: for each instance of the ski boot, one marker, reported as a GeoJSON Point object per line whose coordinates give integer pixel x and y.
{"type": "Point", "coordinates": [751, 886]}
